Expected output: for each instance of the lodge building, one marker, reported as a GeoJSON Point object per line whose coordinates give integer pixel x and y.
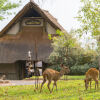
{"type": "Point", "coordinates": [27, 31]}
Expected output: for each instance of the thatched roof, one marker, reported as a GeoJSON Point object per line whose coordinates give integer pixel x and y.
{"type": "Point", "coordinates": [45, 14]}
{"type": "Point", "coordinates": [13, 48]}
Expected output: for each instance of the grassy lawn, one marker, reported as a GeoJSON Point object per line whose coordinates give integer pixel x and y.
{"type": "Point", "coordinates": [67, 90]}
{"type": "Point", "coordinates": [69, 77]}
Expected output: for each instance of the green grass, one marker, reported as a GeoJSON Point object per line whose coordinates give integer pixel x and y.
{"type": "Point", "coordinates": [67, 90]}
{"type": "Point", "coordinates": [69, 77]}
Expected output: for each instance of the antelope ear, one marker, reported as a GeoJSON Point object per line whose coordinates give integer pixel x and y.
{"type": "Point", "coordinates": [61, 65]}
{"type": "Point", "coordinates": [67, 67]}
{"type": "Point", "coordinates": [84, 80]}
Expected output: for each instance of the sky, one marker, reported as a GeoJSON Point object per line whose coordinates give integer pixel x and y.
{"type": "Point", "coordinates": [63, 10]}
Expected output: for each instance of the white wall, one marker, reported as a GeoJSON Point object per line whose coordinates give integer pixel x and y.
{"type": "Point", "coordinates": [50, 29]}
{"type": "Point", "coordinates": [14, 29]}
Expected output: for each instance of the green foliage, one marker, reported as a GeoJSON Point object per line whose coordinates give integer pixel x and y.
{"type": "Point", "coordinates": [85, 62]}
{"type": "Point", "coordinates": [95, 63]}
{"type": "Point", "coordinates": [59, 33]}
{"type": "Point", "coordinates": [6, 5]}
{"type": "Point", "coordinates": [9, 6]}
{"type": "Point", "coordinates": [89, 18]}
{"type": "Point", "coordinates": [49, 36]}
{"type": "Point", "coordinates": [82, 69]}
{"type": "Point", "coordinates": [79, 69]}
{"type": "Point", "coordinates": [64, 49]}
{"type": "Point", "coordinates": [88, 56]}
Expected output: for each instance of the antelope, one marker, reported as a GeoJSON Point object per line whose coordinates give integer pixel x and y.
{"type": "Point", "coordinates": [50, 74]}
{"type": "Point", "coordinates": [92, 73]}
{"type": "Point", "coordinates": [30, 70]}
{"type": "Point", "coordinates": [3, 77]}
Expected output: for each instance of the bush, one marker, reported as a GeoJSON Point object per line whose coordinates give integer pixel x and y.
{"type": "Point", "coordinates": [94, 63]}
{"type": "Point", "coordinates": [79, 69]}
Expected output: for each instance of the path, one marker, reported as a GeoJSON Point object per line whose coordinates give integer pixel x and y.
{"type": "Point", "coordinates": [20, 82]}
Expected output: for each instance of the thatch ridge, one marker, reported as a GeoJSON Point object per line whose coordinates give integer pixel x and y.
{"type": "Point", "coordinates": [42, 12]}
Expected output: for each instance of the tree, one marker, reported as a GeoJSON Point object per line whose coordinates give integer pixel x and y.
{"type": "Point", "coordinates": [6, 5]}
{"type": "Point", "coordinates": [66, 49]}
{"type": "Point", "coordinates": [89, 16]}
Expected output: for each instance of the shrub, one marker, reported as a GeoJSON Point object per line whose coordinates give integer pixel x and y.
{"type": "Point", "coordinates": [79, 69]}
{"type": "Point", "coordinates": [94, 63]}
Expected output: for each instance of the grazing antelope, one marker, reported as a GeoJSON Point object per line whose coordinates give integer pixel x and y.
{"type": "Point", "coordinates": [50, 74]}
{"type": "Point", "coordinates": [92, 73]}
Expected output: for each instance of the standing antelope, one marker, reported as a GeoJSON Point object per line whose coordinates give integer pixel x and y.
{"type": "Point", "coordinates": [50, 74]}
{"type": "Point", "coordinates": [92, 73]}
